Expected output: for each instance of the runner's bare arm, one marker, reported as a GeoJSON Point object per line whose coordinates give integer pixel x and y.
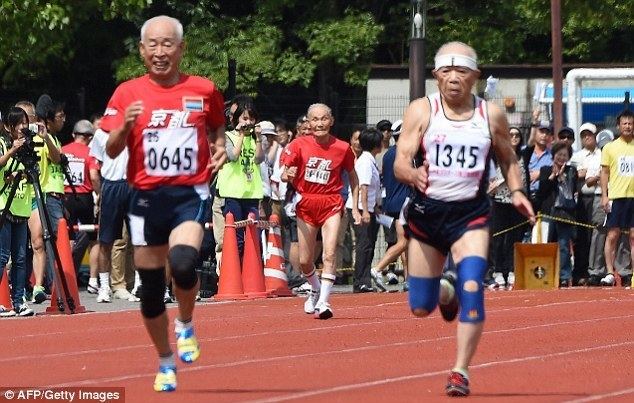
{"type": "Point", "coordinates": [216, 139]}
{"type": "Point", "coordinates": [507, 160]}
{"type": "Point", "coordinates": [117, 138]}
{"type": "Point", "coordinates": [415, 123]}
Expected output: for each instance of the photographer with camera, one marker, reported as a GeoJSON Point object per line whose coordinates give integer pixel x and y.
{"type": "Point", "coordinates": [240, 180]}
{"type": "Point", "coordinates": [52, 117]}
{"type": "Point", "coordinates": [13, 232]}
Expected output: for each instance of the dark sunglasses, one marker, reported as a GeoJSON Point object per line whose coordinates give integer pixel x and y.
{"type": "Point", "coordinates": [566, 136]}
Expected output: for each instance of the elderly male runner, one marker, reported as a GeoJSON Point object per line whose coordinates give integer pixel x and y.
{"type": "Point", "coordinates": [169, 121]}
{"type": "Point", "coordinates": [314, 163]}
{"type": "Point", "coordinates": [451, 134]}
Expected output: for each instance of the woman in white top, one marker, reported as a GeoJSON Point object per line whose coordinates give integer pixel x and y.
{"type": "Point", "coordinates": [369, 192]}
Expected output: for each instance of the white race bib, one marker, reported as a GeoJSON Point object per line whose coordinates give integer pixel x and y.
{"type": "Point", "coordinates": [170, 151]}
{"type": "Point", "coordinates": [626, 165]}
{"type": "Point", "coordinates": [76, 168]}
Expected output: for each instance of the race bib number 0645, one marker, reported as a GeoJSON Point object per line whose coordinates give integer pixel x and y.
{"type": "Point", "coordinates": [171, 151]}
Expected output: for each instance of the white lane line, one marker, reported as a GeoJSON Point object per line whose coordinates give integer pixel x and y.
{"type": "Point", "coordinates": [290, 331]}
{"type": "Point", "coordinates": [603, 396]}
{"type": "Point", "coordinates": [353, 386]}
{"type": "Point", "coordinates": [201, 318]}
{"type": "Point", "coordinates": [323, 353]}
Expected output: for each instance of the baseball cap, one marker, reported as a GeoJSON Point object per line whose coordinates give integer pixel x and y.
{"type": "Point", "coordinates": [545, 126]}
{"type": "Point", "coordinates": [566, 132]}
{"type": "Point", "coordinates": [604, 137]}
{"type": "Point", "coordinates": [84, 127]}
{"type": "Point", "coordinates": [589, 127]}
{"type": "Point", "coordinates": [267, 127]}
{"type": "Point", "coordinates": [396, 127]}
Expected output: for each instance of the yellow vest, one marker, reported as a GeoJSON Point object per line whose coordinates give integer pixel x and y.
{"type": "Point", "coordinates": [21, 203]}
{"type": "Point", "coordinates": [241, 179]}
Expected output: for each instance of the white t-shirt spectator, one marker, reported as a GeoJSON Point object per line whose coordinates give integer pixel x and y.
{"type": "Point", "coordinates": [111, 169]}
{"type": "Point", "coordinates": [590, 160]}
{"type": "Point", "coordinates": [368, 173]}
{"type": "Point", "coordinates": [278, 188]}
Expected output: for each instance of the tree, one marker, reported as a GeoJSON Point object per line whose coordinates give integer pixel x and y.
{"type": "Point", "coordinates": [37, 33]}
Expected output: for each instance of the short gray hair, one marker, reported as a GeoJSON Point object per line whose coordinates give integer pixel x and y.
{"type": "Point", "coordinates": [318, 105]}
{"type": "Point", "coordinates": [178, 27]}
{"type": "Point", "coordinates": [445, 48]}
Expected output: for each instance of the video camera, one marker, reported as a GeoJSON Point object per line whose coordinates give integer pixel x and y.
{"type": "Point", "coordinates": [27, 154]}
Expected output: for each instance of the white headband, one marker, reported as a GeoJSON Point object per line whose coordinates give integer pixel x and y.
{"type": "Point", "coordinates": [451, 59]}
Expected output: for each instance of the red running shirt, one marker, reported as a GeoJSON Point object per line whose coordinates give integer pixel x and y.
{"type": "Point", "coordinates": [318, 166]}
{"type": "Point", "coordinates": [79, 165]}
{"type": "Point", "coordinates": [168, 144]}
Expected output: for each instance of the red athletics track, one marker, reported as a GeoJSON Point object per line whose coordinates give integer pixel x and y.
{"type": "Point", "coordinates": [547, 346]}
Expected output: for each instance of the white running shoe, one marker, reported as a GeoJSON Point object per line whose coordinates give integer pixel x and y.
{"type": "Point", "coordinates": [378, 279]}
{"type": "Point", "coordinates": [608, 280]}
{"type": "Point", "coordinates": [323, 311]}
{"type": "Point", "coordinates": [103, 295]}
{"type": "Point", "coordinates": [311, 301]}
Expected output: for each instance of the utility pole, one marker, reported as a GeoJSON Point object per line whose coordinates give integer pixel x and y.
{"type": "Point", "coordinates": [417, 50]}
{"type": "Point", "coordinates": [555, 22]}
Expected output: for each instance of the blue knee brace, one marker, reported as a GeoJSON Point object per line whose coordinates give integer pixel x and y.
{"type": "Point", "coordinates": [423, 292]}
{"type": "Point", "coordinates": [471, 272]}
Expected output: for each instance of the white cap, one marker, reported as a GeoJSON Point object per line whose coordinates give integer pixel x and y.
{"type": "Point", "coordinates": [267, 127]}
{"type": "Point", "coordinates": [396, 127]}
{"type": "Point", "coordinates": [588, 126]}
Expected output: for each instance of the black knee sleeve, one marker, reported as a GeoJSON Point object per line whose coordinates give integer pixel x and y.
{"type": "Point", "coordinates": [183, 260]}
{"type": "Point", "coordinates": [152, 292]}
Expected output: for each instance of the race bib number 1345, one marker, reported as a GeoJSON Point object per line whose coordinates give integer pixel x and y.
{"type": "Point", "coordinates": [171, 151]}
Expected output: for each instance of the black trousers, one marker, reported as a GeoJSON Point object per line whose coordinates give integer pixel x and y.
{"type": "Point", "coordinates": [365, 235]}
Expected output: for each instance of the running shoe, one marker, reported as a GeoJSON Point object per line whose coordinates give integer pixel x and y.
{"type": "Point", "coordinates": [39, 295]}
{"type": "Point", "coordinates": [392, 278]}
{"type": "Point", "coordinates": [165, 380]}
{"type": "Point", "coordinates": [104, 295]}
{"type": "Point", "coordinates": [378, 280]}
{"type": "Point", "coordinates": [92, 288]}
{"type": "Point", "coordinates": [323, 311]}
{"type": "Point", "coordinates": [311, 301]}
{"type": "Point", "coordinates": [450, 309]}
{"type": "Point", "coordinates": [608, 280]}
{"type": "Point", "coordinates": [6, 313]}
{"type": "Point", "coordinates": [187, 345]}
{"type": "Point", "coordinates": [24, 310]}
{"type": "Point", "coordinates": [457, 385]}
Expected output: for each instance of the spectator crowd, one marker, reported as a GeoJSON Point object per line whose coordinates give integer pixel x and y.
{"type": "Point", "coordinates": [575, 191]}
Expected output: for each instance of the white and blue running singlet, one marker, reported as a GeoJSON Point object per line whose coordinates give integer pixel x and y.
{"type": "Point", "coordinates": [457, 152]}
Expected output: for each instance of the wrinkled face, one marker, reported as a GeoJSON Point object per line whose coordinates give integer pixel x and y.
{"type": "Point", "coordinates": [354, 142]}
{"type": "Point", "coordinates": [303, 129]}
{"type": "Point", "coordinates": [161, 51]}
{"type": "Point", "coordinates": [455, 82]}
{"type": "Point", "coordinates": [320, 121]}
{"type": "Point", "coordinates": [588, 139]}
{"type": "Point", "coordinates": [626, 127]}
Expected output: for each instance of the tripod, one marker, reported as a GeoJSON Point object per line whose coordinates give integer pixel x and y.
{"type": "Point", "coordinates": [31, 173]}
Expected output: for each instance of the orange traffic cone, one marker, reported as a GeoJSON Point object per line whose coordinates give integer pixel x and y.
{"type": "Point", "coordinates": [230, 282]}
{"type": "Point", "coordinates": [68, 268]}
{"type": "Point", "coordinates": [252, 272]}
{"type": "Point", "coordinates": [5, 293]}
{"type": "Point", "coordinates": [274, 271]}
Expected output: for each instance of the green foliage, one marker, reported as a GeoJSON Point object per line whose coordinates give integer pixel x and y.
{"type": "Point", "coordinates": [291, 41]}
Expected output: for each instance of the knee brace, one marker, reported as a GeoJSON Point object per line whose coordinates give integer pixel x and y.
{"type": "Point", "coordinates": [423, 293]}
{"type": "Point", "coordinates": [152, 292]}
{"type": "Point", "coordinates": [471, 272]}
{"type": "Point", "coordinates": [182, 260]}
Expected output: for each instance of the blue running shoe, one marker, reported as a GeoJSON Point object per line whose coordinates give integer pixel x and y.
{"type": "Point", "coordinates": [165, 380]}
{"type": "Point", "coordinates": [187, 346]}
